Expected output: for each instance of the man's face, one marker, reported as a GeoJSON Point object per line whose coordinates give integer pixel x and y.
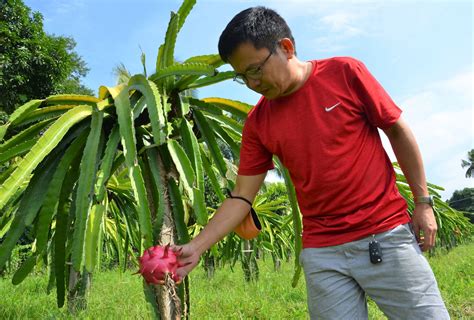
{"type": "Point", "coordinates": [264, 71]}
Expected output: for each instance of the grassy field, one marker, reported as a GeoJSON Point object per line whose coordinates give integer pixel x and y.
{"type": "Point", "coordinates": [227, 296]}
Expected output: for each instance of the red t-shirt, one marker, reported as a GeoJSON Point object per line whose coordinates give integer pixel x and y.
{"type": "Point", "coordinates": [326, 135]}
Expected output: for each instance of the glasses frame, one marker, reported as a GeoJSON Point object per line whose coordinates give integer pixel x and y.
{"type": "Point", "coordinates": [254, 73]}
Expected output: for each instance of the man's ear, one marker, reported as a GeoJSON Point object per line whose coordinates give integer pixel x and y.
{"type": "Point", "coordinates": [288, 48]}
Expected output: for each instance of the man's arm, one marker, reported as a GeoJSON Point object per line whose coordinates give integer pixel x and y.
{"type": "Point", "coordinates": [409, 158]}
{"type": "Point", "coordinates": [229, 215]}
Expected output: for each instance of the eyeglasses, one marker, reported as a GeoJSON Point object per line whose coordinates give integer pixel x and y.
{"type": "Point", "coordinates": [254, 73]}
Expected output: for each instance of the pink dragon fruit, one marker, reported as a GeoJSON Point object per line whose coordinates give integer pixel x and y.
{"type": "Point", "coordinates": [156, 262]}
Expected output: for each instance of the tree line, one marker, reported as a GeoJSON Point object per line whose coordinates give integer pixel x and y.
{"type": "Point", "coordinates": [33, 63]}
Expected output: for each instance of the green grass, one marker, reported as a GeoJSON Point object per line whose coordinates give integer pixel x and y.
{"type": "Point", "coordinates": [226, 296]}
{"type": "Point", "coordinates": [455, 275]}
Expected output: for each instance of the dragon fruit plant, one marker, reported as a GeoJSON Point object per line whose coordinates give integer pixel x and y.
{"type": "Point", "coordinates": [157, 262]}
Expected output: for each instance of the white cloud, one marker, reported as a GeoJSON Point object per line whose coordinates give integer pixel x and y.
{"type": "Point", "coordinates": [441, 117]}
{"type": "Point", "coordinates": [68, 7]}
{"type": "Point", "coordinates": [337, 27]}
{"type": "Point", "coordinates": [452, 175]}
{"type": "Point", "coordinates": [459, 85]}
{"type": "Point", "coordinates": [329, 44]}
{"type": "Point", "coordinates": [343, 23]}
{"type": "Point", "coordinates": [328, 23]}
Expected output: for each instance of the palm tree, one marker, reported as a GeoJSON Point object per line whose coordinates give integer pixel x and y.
{"type": "Point", "coordinates": [469, 163]}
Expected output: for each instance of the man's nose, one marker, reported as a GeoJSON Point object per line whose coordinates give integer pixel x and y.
{"type": "Point", "coordinates": [253, 84]}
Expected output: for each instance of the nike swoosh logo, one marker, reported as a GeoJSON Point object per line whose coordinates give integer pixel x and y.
{"type": "Point", "coordinates": [330, 108]}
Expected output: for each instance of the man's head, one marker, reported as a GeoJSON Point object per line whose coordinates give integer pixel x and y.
{"type": "Point", "coordinates": [260, 26]}
{"type": "Point", "coordinates": [259, 45]}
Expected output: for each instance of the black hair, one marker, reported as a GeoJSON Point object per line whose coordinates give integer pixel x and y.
{"type": "Point", "coordinates": [260, 26]}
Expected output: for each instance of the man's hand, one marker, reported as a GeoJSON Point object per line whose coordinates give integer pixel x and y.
{"type": "Point", "coordinates": [424, 221]}
{"type": "Point", "coordinates": [227, 217]}
{"type": "Point", "coordinates": [409, 158]}
{"type": "Point", "coordinates": [188, 258]}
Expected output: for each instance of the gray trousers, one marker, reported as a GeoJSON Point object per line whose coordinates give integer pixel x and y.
{"type": "Point", "coordinates": [402, 285]}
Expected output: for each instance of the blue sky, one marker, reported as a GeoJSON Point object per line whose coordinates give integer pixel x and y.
{"type": "Point", "coordinates": [421, 52]}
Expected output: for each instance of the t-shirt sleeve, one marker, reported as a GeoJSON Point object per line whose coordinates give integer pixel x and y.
{"type": "Point", "coordinates": [380, 109]}
{"type": "Point", "coordinates": [254, 157]}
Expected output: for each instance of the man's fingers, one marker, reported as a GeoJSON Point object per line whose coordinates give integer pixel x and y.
{"type": "Point", "coordinates": [184, 270]}
{"type": "Point", "coordinates": [424, 227]}
{"type": "Point", "coordinates": [184, 263]}
{"type": "Point", "coordinates": [187, 259]}
{"type": "Point", "coordinates": [430, 239]}
{"type": "Point", "coordinates": [416, 230]}
{"type": "Point", "coordinates": [433, 239]}
{"type": "Point", "coordinates": [181, 273]}
{"type": "Point", "coordinates": [177, 249]}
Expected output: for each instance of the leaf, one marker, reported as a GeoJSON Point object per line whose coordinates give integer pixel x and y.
{"type": "Point", "coordinates": [24, 270]}
{"type": "Point", "coordinates": [183, 165]}
{"type": "Point", "coordinates": [143, 61]}
{"type": "Point", "coordinates": [24, 135]}
{"type": "Point", "coordinates": [199, 206]}
{"type": "Point", "coordinates": [3, 131]}
{"type": "Point", "coordinates": [183, 69]}
{"type": "Point", "coordinates": [127, 133]}
{"type": "Point", "coordinates": [17, 150]}
{"type": "Point", "coordinates": [6, 221]}
{"type": "Point", "coordinates": [23, 111]}
{"type": "Point", "coordinates": [46, 113]}
{"type": "Point", "coordinates": [204, 106]}
{"type": "Point", "coordinates": [51, 273]}
{"type": "Point", "coordinates": [193, 151]}
{"type": "Point", "coordinates": [87, 173]}
{"type": "Point", "coordinates": [225, 137]}
{"type": "Point", "coordinates": [159, 58]}
{"type": "Point", "coordinates": [72, 99]}
{"type": "Point", "coordinates": [29, 206]}
{"type": "Point", "coordinates": [18, 114]}
{"type": "Point", "coordinates": [61, 232]}
{"type": "Point", "coordinates": [295, 212]}
{"type": "Point", "coordinates": [57, 105]}
{"type": "Point", "coordinates": [227, 122]}
{"type": "Point", "coordinates": [150, 296]}
{"type": "Point", "coordinates": [154, 106]}
{"type": "Point", "coordinates": [105, 92]}
{"type": "Point", "coordinates": [142, 208]}
{"type": "Point", "coordinates": [137, 104]}
{"type": "Point", "coordinates": [154, 166]}
{"type": "Point", "coordinates": [170, 41]}
{"type": "Point", "coordinates": [125, 250]}
{"type": "Point", "coordinates": [184, 11]}
{"type": "Point", "coordinates": [237, 108]}
{"type": "Point", "coordinates": [206, 81]}
{"type": "Point", "coordinates": [127, 129]}
{"type": "Point", "coordinates": [212, 177]}
{"type": "Point", "coordinates": [107, 163]}
{"type": "Point", "coordinates": [211, 59]}
{"type": "Point", "coordinates": [40, 150]}
{"type": "Point", "coordinates": [165, 55]}
{"type": "Point", "coordinates": [92, 236]}
{"type": "Point", "coordinates": [211, 142]}
{"type": "Point", "coordinates": [178, 211]}
{"type": "Point", "coordinates": [50, 204]}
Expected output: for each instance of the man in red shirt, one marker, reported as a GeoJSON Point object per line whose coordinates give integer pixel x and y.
{"type": "Point", "coordinates": [320, 118]}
